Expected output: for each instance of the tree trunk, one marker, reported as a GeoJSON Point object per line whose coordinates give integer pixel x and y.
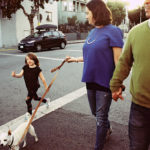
{"type": "Point", "coordinates": [30, 18]}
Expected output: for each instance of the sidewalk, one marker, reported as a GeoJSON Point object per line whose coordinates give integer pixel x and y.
{"type": "Point", "coordinates": [67, 130]}
{"type": "Point", "coordinates": [8, 48]}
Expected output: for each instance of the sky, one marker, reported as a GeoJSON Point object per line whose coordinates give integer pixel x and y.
{"type": "Point", "coordinates": [134, 3]}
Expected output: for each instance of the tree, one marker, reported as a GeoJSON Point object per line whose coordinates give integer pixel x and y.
{"type": "Point", "coordinates": [9, 7]}
{"type": "Point", "coordinates": [72, 20]}
{"type": "Point", "coordinates": [118, 11]}
{"type": "Point", "coordinates": [136, 16]}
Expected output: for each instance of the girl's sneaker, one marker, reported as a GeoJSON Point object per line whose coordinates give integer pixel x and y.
{"type": "Point", "coordinates": [48, 102]}
{"type": "Point", "coordinates": [27, 116]}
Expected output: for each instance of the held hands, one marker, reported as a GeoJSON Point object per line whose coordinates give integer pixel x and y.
{"type": "Point", "coordinates": [118, 94]}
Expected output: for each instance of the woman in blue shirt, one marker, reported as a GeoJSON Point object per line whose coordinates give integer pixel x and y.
{"type": "Point", "coordinates": [101, 52]}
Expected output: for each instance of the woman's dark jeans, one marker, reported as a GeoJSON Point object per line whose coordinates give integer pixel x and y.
{"type": "Point", "coordinates": [100, 102]}
{"type": "Point", "coordinates": [139, 127]}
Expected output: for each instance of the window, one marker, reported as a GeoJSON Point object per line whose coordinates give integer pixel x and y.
{"type": "Point", "coordinates": [83, 7]}
{"type": "Point", "coordinates": [74, 6]}
{"type": "Point", "coordinates": [56, 34]}
{"type": "Point", "coordinates": [78, 7]}
{"type": "Point", "coordinates": [49, 34]}
{"type": "Point", "coordinates": [70, 6]}
{"type": "Point", "coordinates": [49, 16]}
{"type": "Point", "coordinates": [45, 34]}
{"type": "Point", "coordinates": [65, 6]}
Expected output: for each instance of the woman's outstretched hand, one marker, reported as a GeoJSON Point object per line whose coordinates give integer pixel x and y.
{"type": "Point", "coordinates": [71, 59]}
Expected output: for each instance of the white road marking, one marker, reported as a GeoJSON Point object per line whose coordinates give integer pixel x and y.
{"type": "Point", "coordinates": [11, 54]}
{"type": "Point", "coordinates": [58, 59]}
{"type": "Point", "coordinates": [40, 57]}
{"type": "Point", "coordinates": [54, 105]}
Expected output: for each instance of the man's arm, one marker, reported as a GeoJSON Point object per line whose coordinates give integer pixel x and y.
{"type": "Point", "coordinates": [122, 70]}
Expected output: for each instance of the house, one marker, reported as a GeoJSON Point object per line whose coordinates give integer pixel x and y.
{"type": "Point", "coordinates": [69, 8]}
{"type": "Point", "coordinates": [14, 29]}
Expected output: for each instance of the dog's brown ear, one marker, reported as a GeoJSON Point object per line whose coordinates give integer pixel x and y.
{"type": "Point", "coordinates": [9, 132]}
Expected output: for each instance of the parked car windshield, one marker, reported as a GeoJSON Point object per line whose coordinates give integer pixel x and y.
{"type": "Point", "coordinates": [36, 35]}
{"type": "Point", "coordinates": [60, 32]}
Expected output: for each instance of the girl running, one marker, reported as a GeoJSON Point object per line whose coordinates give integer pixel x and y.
{"type": "Point", "coordinates": [31, 71]}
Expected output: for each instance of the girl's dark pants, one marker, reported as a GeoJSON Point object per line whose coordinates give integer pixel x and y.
{"type": "Point", "coordinates": [32, 94]}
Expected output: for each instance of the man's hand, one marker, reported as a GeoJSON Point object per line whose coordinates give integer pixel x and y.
{"type": "Point", "coordinates": [117, 94]}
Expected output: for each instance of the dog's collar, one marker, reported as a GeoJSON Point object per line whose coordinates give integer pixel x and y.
{"type": "Point", "coordinates": [11, 142]}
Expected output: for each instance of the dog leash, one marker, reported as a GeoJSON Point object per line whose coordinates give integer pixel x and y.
{"type": "Point", "coordinates": [58, 67]}
{"type": "Point", "coordinates": [30, 121]}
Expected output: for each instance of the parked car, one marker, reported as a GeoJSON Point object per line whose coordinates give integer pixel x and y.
{"type": "Point", "coordinates": [46, 37]}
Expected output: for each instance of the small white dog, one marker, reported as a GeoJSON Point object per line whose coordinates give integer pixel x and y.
{"type": "Point", "coordinates": [12, 139]}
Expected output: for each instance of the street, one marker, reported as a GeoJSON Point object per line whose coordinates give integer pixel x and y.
{"type": "Point", "coordinates": [69, 109]}
{"type": "Point", "coordinates": [13, 90]}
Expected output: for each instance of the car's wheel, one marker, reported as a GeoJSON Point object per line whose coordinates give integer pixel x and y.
{"type": "Point", "coordinates": [62, 45]}
{"type": "Point", "coordinates": [38, 47]}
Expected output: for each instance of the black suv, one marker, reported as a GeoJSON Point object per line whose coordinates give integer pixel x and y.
{"type": "Point", "coordinates": [45, 38]}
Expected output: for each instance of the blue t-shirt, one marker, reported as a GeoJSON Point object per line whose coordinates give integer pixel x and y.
{"type": "Point", "coordinates": [98, 54]}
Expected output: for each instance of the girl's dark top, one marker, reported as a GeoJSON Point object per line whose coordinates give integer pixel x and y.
{"type": "Point", "coordinates": [31, 77]}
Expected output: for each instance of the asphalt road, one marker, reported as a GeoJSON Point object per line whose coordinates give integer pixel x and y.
{"type": "Point", "coordinates": [13, 90]}
{"type": "Point", "coordinates": [70, 126]}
